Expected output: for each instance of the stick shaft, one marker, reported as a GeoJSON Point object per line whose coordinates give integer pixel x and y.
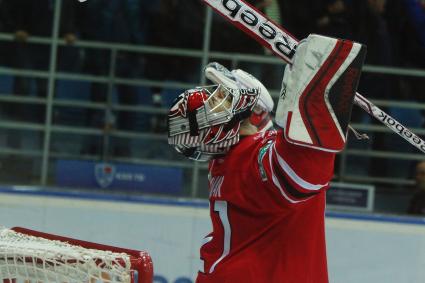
{"type": "Point", "coordinates": [284, 45]}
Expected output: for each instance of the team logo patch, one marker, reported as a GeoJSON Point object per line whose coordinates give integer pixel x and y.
{"type": "Point", "coordinates": [104, 173]}
{"type": "Point", "coordinates": [261, 155]}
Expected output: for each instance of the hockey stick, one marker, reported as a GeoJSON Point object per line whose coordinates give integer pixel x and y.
{"type": "Point", "coordinates": [283, 44]}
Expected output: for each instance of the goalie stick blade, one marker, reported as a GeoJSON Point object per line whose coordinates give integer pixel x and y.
{"type": "Point", "coordinates": [283, 44]}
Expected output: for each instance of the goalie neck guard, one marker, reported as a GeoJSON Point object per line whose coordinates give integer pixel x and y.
{"type": "Point", "coordinates": [204, 122]}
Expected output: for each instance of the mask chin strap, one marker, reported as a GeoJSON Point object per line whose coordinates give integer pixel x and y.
{"type": "Point", "coordinates": [195, 154]}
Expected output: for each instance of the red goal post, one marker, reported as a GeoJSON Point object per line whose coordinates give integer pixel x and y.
{"type": "Point", "coordinates": [32, 255]}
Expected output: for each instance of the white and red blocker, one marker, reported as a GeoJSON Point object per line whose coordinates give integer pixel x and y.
{"type": "Point", "coordinates": [318, 90]}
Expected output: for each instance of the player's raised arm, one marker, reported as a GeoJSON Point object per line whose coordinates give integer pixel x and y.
{"type": "Point", "coordinates": [314, 111]}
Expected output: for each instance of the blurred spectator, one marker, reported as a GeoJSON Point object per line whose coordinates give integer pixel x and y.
{"type": "Point", "coordinates": [406, 23]}
{"type": "Point", "coordinates": [272, 73]}
{"type": "Point", "coordinates": [417, 202]}
{"type": "Point", "coordinates": [416, 10]}
{"type": "Point", "coordinates": [111, 21]}
{"type": "Point", "coordinates": [147, 9]}
{"type": "Point", "coordinates": [370, 28]}
{"type": "Point", "coordinates": [408, 52]}
{"type": "Point", "coordinates": [2, 5]}
{"type": "Point", "coordinates": [26, 18]}
{"type": "Point", "coordinates": [403, 17]}
{"type": "Point", "coordinates": [335, 20]}
{"type": "Point", "coordinates": [235, 40]}
{"type": "Point", "coordinates": [406, 20]}
{"type": "Point", "coordinates": [3, 16]}
{"type": "Point", "coordinates": [300, 17]}
{"type": "Point", "coordinates": [172, 25]}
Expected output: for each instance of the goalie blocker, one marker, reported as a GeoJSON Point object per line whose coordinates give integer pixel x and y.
{"type": "Point", "coordinates": [316, 99]}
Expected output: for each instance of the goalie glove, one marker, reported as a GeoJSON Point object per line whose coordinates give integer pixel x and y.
{"type": "Point", "coordinates": [318, 90]}
{"type": "Point", "coordinates": [239, 79]}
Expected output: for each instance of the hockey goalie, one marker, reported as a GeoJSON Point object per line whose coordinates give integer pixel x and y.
{"type": "Point", "coordinates": [267, 186]}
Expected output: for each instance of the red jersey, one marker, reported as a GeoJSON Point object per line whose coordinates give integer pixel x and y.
{"type": "Point", "coordinates": [267, 205]}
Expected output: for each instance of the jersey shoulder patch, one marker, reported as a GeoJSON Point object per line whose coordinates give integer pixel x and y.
{"type": "Point", "coordinates": [261, 153]}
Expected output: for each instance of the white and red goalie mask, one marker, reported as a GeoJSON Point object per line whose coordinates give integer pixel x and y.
{"type": "Point", "coordinates": [204, 122]}
{"type": "Point", "coordinates": [239, 79]}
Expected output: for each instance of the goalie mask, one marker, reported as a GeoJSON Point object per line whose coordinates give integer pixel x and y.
{"type": "Point", "coordinates": [239, 79]}
{"type": "Point", "coordinates": [204, 122]}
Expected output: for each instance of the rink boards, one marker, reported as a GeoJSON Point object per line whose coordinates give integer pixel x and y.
{"type": "Point", "coordinates": [361, 248]}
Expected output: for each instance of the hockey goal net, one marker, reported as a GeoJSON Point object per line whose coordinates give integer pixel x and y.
{"type": "Point", "coordinates": [30, 256]}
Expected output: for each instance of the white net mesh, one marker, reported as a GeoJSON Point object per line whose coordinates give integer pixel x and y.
{"type": "Point", "coordinates": [25, 257]}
